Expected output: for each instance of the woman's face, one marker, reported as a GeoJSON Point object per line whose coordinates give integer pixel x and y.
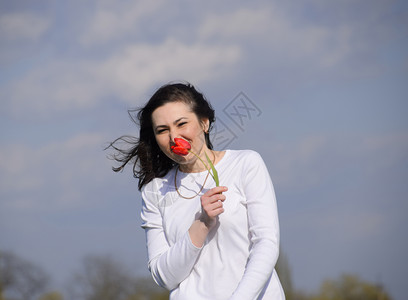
{"type": "Point", "coordinates": [176, 120]}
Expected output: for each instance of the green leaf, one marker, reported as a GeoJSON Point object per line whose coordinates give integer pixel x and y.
{"type": "Point", "coordinates": [214, 171]}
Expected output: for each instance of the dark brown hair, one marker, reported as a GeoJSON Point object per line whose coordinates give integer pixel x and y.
{"type": "Point", "coordinates": [148, 160]}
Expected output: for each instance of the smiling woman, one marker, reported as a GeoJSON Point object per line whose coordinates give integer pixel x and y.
{"type": "Point", "coordinates": [203, 241]}
{"type": "Point", "coordinates": [149, 161]}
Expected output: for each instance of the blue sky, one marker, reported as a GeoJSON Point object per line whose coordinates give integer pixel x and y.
{"type": "Point", "coordinates": [329, 80]}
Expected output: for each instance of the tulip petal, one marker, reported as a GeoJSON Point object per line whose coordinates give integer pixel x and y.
{"type": "Point", "coordinates": [182, 143]}
{"type": "Point", "coordinates": [179, 150]}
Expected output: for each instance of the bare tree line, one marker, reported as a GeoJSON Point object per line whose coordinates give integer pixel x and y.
{"type": "Point", "coordinates": [105, 278]}
{"type": "Point", "coordinates": [98, 278]}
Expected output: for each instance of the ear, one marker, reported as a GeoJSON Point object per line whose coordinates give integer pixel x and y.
{"type": "Point", "coordinates": [205, 123]}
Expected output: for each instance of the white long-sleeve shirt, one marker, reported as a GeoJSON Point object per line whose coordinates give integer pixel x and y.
{"type": "Point", "coordinates": [238, 257]}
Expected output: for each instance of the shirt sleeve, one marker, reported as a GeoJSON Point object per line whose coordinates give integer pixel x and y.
{"type": "Point", "coordinates": [263, 227]}
{"type": "Point", "coordinates": [169, 265]}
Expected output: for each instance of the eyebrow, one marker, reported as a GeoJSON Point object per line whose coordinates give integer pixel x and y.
{"type": "Point", "coordinates": [175, 122]}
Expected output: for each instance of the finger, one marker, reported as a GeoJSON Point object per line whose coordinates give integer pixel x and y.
{"type": "Point", "coordinates": [212, 199]}
{"type": "Point", "coordinates": [215, 205]}
{"type": "Point", "coordinates": [211, 208]}
{"type": "Point", "coordinates": [218, 210]}
{"type": "Point", "coordinates": [215, 212]}
{"type": "Point", "coordinates": [216, 190]}
{"type": "Point", "coordinates": [217, 197]}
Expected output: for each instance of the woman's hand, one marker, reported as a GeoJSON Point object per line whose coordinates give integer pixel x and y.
{"type": "Point", "coordinates": [212, 205]}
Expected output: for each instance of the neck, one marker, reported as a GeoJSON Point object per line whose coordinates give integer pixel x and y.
{"type": "Point", "coordinates": [197, 165]}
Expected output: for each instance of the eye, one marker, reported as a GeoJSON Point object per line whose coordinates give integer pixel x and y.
{"type": "Point", "coordinates": [159, 131]}
{"type": "Point", "coordinates": [181, 124]}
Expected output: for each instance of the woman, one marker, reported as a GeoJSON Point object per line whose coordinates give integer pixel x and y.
{"type": "Point", "coordinates": [203, 241]}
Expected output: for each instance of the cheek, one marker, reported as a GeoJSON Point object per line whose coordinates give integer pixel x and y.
{"type": "Point", "coordinates": [160, 141]}
{"type": "Point", "coordinates": [196, 132]}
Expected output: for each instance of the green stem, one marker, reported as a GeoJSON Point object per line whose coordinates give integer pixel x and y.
{"type": "Point", "coordinates": [205, 165]}
{"type": "Point", "coordinates": [208, 169]}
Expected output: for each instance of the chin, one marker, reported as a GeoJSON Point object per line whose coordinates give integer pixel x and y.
{"type": "Point", "coordinates": [179, 158]}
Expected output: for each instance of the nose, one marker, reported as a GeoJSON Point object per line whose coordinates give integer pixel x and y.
{"type": "Point", "coordinates": [172, 135]}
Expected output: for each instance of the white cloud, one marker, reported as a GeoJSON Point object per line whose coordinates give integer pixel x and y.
{"type": "Point", "coordinates": [139, 67]}
{"type": "Point", "coordinates": [68, 85]}
{"type": "Point", "coordinates": [218, 43]}
{"type": "Point", "coordinates": [271, 27]}
{"type": "Point", "coordinates": [309, 162]}
{"type": "Point", "coordinates": [293, 41]}
{"type": "Point", "coordinates": [15, 26]}
{"type": "Point", "coordinates": [55, 175]}
{"type": "Point", "coordinates": [113, 20]}
{"type": "Point", "coordinates": [56, 86]}
{"type": "Point", "coordinates": [237, 24]}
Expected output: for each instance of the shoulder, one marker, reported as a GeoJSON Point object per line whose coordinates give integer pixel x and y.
{"type": "Point", "coordinates": [245, 155]}
{"type": "Point", "coordinates": [242, 160]}
{"type": "Point", "coordinates": [158, 184]}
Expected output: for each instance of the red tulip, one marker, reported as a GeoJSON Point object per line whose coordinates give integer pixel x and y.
{"type": "Point", "coordinates": [181, 147]}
